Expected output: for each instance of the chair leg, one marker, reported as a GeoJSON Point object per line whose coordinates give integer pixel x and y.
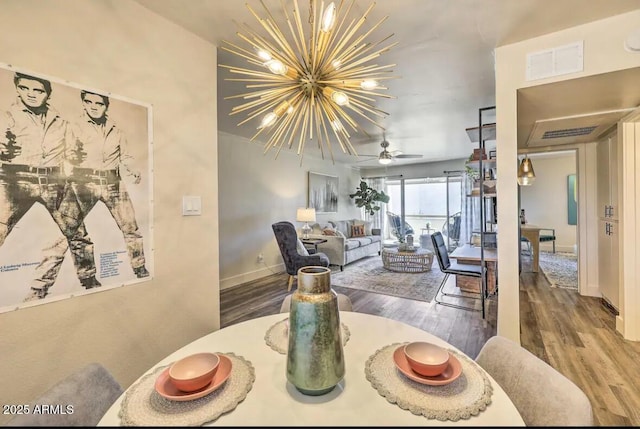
{"type": "Point", "coordinates": [462, 307]}
{"type": "Point", "coordinates": [290, 283]}
{"type": "Point", "coordinates": [554, 246]}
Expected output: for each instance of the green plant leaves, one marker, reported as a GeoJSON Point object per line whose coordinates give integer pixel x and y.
{"type": "Point", "coordinates": [367, 197]}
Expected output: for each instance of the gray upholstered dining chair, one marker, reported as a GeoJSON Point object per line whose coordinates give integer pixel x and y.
{"type": "Point", "coordinates": [91, 391]}
{"type": "Point", "coordinates": [344, 303]}
{"type": "Point", "coordinates": [542, 395]}
{"type": "Point", "coordinates": [287, 239]}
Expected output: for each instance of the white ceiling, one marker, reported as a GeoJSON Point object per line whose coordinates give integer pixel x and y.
{"type": "Point", "coordinates": [444, 60]}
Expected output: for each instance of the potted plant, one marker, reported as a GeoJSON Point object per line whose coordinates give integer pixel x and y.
{"type": "Point", "coordinates": [367, 197]}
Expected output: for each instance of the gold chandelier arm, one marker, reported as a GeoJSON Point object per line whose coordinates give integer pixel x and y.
{"type": "Point", "coordinates": [298, 21]}
{"type": "Point", "coordinates": [351, 31]}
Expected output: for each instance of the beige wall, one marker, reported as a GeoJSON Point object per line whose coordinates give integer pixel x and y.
{"type": "Point", "coordinates": [118, 46]}
{"type": "Point", "coordinates": [545, 202]}
{"type": "Point", "coordinates": [603, 52]}
{"type": "Point", "coordinates": [257, 190]}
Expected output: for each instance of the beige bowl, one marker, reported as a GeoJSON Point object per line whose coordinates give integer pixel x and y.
{"type": "Point", "coordinates": [194, 372]}
{"type": "Point", "coordinates": [426, 358]}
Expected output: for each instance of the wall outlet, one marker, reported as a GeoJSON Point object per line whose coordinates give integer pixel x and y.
{"type": "Point", "coordinates": [260, 257]}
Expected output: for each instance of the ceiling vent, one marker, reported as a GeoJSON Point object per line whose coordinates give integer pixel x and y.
{"type": "Point", "coordinates": [571, 132]}
{"type": "Point", "coordinates": [584, 128]}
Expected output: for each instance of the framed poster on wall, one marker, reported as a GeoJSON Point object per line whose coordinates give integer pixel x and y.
{"type": "Point", "coordinates": [75, 189]}
{"type": "Point", "coordinates": [323, 192]}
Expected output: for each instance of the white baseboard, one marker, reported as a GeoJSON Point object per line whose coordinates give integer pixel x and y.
{"type": "Point", "coordinates": [250, 276]}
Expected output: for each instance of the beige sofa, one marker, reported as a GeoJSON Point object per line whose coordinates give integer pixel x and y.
{"type": "Point", "coordinates": [343, 248]}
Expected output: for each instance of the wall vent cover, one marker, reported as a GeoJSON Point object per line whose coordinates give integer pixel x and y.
{"type": "Point", "coordinates": [556, 61]}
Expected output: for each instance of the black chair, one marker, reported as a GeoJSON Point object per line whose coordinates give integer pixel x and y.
{"type": "Point", "coordinates": [287, 239]}
{"type": "Point", "coordinates": [448, 268]}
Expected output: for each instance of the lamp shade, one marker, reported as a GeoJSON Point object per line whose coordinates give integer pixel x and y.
{"type": "Point", "coordinates": [306, 215]}
{"type": "Point", "coordinates": [526, 175]}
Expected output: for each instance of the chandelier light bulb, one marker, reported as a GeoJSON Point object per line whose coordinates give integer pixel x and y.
{"type": "Point", "coordinates": [329, 18]}
{"type": "Point", "coordinates": [263, 54]}
{"type": "Point", "coordinates": [338, 97]}
{"type": "Point", "coordinates": [336, 64]}
{"type": "Point", "coordinates": [369, 84]}
{"type": "Point", "coordinates": [268, 120]}
{"type": "Point", "coordinates": [277, 67]}
{"type": "Point", "coordinates": [336, 125]}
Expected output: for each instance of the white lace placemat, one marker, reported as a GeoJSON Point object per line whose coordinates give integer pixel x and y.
{"type": "Point", "coordinates": [143, 406]}
{"type": "Point", "coordinates": [277, 336]}
{"type": "Point", "coordinates": [464, 397]}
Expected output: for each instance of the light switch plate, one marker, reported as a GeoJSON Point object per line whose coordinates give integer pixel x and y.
{"type": "Point", "coordinates": [191, 205]}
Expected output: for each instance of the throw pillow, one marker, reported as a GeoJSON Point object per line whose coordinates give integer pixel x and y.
{"type": "Point", "coordinates": [357, 231]}
{"type": "Point", "coordinates": [329, 231]}
{"type": "Point", "coordinates": [367, 226]}
{"type": "Point", "coordinates": [344, 226]}
{"type": "Point", "coordinates": [302, 250]}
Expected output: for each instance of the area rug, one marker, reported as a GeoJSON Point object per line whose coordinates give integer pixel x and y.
{"type": "Point", "coordinates": [369, 275]}
{"type": "Point", "coordinates": [560, 269]}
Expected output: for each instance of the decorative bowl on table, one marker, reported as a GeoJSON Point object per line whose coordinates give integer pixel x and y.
{"type": "Point", "coordinates": [426, 359]}
{"type": "Point", "coordinates": [194, 372]}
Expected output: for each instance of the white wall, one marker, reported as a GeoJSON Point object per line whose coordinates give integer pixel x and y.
{"type": "Point", "coordinates": [257, 190]}
{"type": "Point", "coordinates": [603, 52]}
{"type": "Point", "coordinates": [121, 47]}
{"type": "Point", "coordinates": [545, 202]}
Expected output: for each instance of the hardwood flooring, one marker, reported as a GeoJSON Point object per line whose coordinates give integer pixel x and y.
{"type": "Point", "coordinates": [574, 334]}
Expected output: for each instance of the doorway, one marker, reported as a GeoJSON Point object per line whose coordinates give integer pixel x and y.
{"type": "Point", "coordinates": [551, 204]}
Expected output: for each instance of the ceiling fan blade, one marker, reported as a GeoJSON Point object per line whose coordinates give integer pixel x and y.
{"type": "Point", "coordinates": [408, 155]}
{"type": "Point", "coordinates": [373, 156]}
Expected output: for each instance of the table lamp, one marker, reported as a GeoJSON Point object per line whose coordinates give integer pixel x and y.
{"type": "Point", "coordinates": [306, 215]}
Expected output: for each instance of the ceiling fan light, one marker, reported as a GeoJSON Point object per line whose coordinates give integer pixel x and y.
{"type": "Point", "coordinates": [385, 158]}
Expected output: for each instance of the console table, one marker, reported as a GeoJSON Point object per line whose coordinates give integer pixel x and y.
{"type": "Point", "coordinates": [400, 261]}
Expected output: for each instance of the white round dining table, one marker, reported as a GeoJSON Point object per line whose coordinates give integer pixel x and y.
{"type": "Point", "coordinates": [273, 401]}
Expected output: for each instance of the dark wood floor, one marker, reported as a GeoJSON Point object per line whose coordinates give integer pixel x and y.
{"type": "Point", "coordinates": [574, 334]}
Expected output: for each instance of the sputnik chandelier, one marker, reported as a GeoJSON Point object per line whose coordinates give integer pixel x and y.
{"type": "Point", "coordinates": [310, 84]}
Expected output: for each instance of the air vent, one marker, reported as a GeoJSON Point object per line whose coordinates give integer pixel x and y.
{"type": "Point", "coordinates": [583, 128]}
{"type": "Point", "coordinates": [570, 132]}
{"type": "Point", "coordinates": [556, 61]}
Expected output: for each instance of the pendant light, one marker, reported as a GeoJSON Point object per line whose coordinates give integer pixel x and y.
{"type": "Point", "coordinates": [526, 175]}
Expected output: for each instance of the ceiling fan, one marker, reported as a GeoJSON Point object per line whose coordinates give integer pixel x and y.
{"type": "Point", "coordinates": [386, 157]}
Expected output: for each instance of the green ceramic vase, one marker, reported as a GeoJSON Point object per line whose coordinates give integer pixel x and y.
{"type": "Point", "coordinates": [315, 358]}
